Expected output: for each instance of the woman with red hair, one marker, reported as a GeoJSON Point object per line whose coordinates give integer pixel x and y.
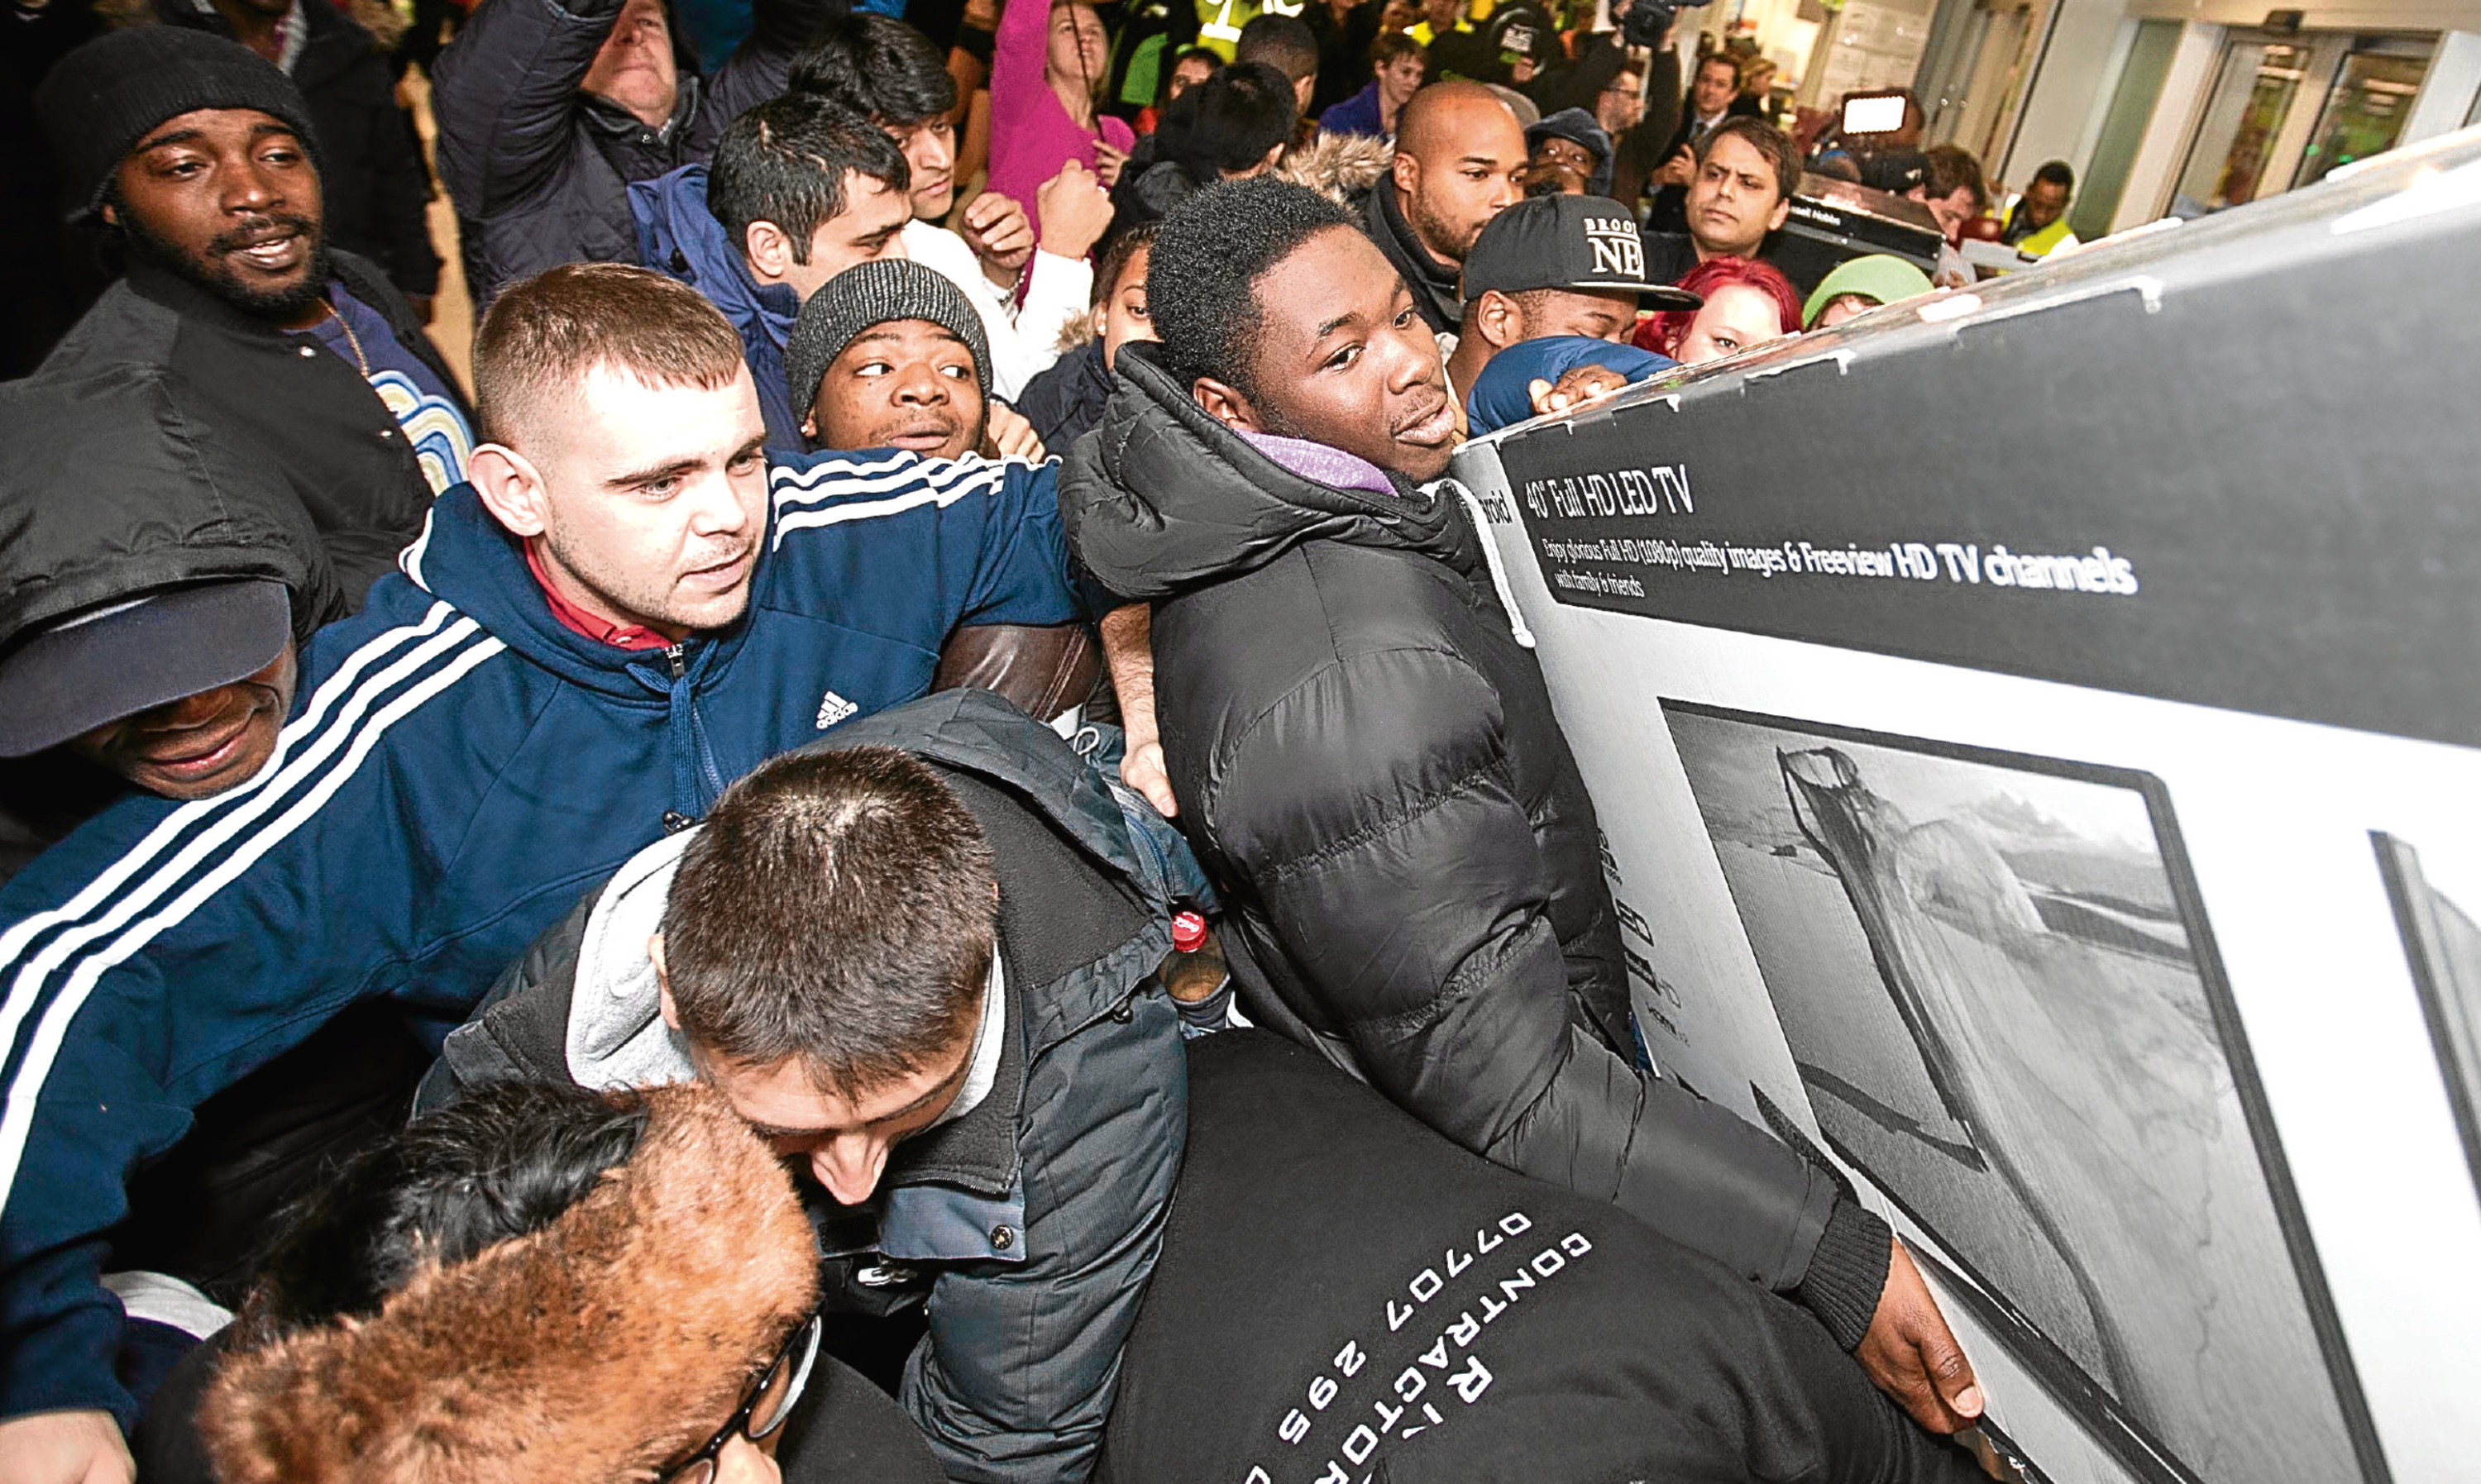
{"type": "Point", "coordinates": [1747, 303]}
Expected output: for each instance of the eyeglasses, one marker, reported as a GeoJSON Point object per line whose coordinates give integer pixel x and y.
{"type": "Point", "coordinates": [769, 1402]}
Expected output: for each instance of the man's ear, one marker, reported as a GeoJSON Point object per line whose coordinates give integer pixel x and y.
{"type": "Point", "coordinates": [1782, 214]}
{"type": "Point", "coordinates": [1408, 172]}
{"type": "Point", "coordinates": [768, 248]}
{"type": "Point", "coordinates": [1498, 319]}
{"type": "Point", "coordinates": [663, 983]}
{"type": "Point", "coordinates": [1226, 405]}
{"type": "Point", "coordinates": [511, 488]}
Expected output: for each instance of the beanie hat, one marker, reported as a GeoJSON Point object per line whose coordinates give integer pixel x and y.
{"type": "Point", "coordinates": [867, 295]}
{"type": "Point", "coordinates": [1882, 277]}
{"type": "Point", "coordinates": [107, 95]}
{"type": "Point", "coordinates": [594, 1349]}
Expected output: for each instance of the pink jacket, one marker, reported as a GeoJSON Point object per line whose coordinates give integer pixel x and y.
{"type": "Point", "coordinates": [1032, 135]}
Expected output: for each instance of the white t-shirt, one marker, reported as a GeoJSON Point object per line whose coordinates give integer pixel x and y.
{"type": "Point", "coordinates": [1024, 340]}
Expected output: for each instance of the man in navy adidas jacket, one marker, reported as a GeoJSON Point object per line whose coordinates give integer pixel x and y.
{"type": "Point", "coordinates": [623, 611]}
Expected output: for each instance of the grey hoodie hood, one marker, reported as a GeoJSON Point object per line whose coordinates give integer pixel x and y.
{"type": "Point", "coordinates": [617, 1035]}
{"type": "Point", "coordinates": [1161, 498]}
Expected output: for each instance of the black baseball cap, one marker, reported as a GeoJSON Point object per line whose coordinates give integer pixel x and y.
{"type": "Point", "coordinates": [123, 658]}
{"type": "Point", "coordinates": [1585, 243]}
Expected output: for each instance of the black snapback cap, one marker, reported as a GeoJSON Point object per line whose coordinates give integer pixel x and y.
{"type": "Point", "coordinates": [1585, 243]}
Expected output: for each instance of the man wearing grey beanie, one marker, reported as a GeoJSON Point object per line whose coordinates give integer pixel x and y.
{"type": "Point", "coordinates": [889, 354]}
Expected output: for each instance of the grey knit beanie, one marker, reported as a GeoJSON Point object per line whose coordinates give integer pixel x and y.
{"type": "Point", "coordinates": [102, 98]}
{"type": "Point", "coordinates": [871, 294]}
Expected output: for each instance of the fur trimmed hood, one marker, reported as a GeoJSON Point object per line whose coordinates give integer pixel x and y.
{"type": "Point", "coordinates": [614, 1339]}
{"type": "Point", "coordinates": [1342, 167]}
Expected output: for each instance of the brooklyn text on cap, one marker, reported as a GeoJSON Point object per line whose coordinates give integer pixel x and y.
{"type": "Point", "coordinates": [1586, 244]}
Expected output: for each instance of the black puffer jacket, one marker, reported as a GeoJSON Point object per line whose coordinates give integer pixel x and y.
{"type": "Point", "coordinates": [1368, 765]}
{"type": "Point", "coordinates": [539, 171]}
{"type": "Point", "coordinates": [371, 176]}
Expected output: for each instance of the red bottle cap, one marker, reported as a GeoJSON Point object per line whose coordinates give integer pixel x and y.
{"type": "Point", "coordinates": [1187, 931]}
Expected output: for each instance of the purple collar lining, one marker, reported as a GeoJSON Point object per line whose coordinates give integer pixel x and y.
{"type": "Point", "coordinates": [1322, 465]}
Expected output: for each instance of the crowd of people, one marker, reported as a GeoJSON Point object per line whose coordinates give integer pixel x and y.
{"type": "Point", "coordinates": [918, 774]}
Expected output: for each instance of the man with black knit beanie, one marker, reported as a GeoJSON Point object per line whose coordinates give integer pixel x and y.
{"type": "Point", "coordinates": [200, 157]}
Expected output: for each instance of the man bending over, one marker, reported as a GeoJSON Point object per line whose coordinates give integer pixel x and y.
{"type": "Point", "coordinates": [1365, 752]}
{"type": "Point", "coordinates": [923, 960]}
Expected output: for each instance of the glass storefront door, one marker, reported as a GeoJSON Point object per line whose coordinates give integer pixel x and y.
{"type": "Point", "coordinates": [2364, 115]}
{"type": "Point", "coordinates": [2254, 95]}
{"type": "Point", "coordinates": [2287, 110]}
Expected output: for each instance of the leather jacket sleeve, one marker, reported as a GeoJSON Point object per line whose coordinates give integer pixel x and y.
{"type": "Point", "coordinates": [1411, 877]}
{"type": "Point", "coordinates": [1044, 669]}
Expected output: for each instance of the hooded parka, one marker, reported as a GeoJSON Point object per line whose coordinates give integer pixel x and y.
{"type": "Point", "coordinates": [1370, 770]}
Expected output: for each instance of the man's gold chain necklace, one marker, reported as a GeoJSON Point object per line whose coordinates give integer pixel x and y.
{"type": "Point", "coordinates": [350, 339]}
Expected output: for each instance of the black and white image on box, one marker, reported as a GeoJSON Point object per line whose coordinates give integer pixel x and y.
{"type": "Point", "coordinates": [2002, 995]}
{"type": "Point", "coordinates": [2444, 944]}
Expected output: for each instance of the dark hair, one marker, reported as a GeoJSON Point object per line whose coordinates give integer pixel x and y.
{"type": "Point", "coordinates": [879, 68]}
{"type": "Point", "coordinates": [1213, 59]}
{"type": "Point", "coordinates": [1284, 42]}
{"type": "Point", "coordinates": [2056, 172]}
{"type": "Point", "coordinates": [546, 335]}
{"type": "Point", "coordinates": [1201, 281]}
{"type": "Point", "coordinates": [1951, 167]}
{"type": "Point", "coordinates": [1392, 44]}
{"type": "Point", "coordinates": [1711, 59]}
{"type": "Point", "coordinates": [1115, 261]}
{"type": "Point", "coordinates": [840, 907]}
{"type": "Point", "coordinates": [504, 1160]}
{"type": "Point", "coordinates": [1766, 139]}
{"type": "Point", "coordinates": [1232, 119]}
{"type": "Point", "coordinates": [785, 161]}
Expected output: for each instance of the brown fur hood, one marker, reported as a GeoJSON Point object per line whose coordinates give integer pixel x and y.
{"type": "Point", "coordinates": [605, 1345]}
{"type": "Point", "coordinates": [1338, 166]}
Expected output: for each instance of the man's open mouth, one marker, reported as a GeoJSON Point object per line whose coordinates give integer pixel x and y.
{"type": "Point", "coordinates": [273, 251]}
{"type": "Point", "coordinates": [196, 755]}
{"type": "Point", "coordinates": [720, 576]}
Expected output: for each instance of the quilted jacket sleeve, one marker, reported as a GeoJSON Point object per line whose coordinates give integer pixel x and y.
{"type": "Point", "coordinates": [1407, 880]}
{"type": "Point", "coordinates": [1017, 1378]}
{"type": "Point", "coordinates": [507, 97]}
